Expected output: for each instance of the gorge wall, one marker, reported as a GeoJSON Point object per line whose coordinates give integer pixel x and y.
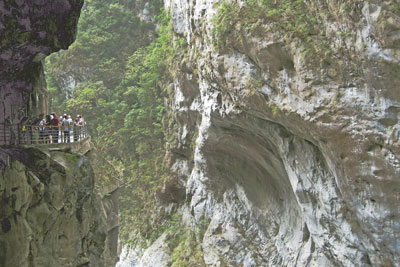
{"type": "Point", "coordinates": [50, 212]}
{"type": "Point", "coordinates": [288, 137]}
{"type": "Point", "coordinates": [30, 31]}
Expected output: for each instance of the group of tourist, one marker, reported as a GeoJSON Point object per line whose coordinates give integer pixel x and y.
{"type": "Point", "coordinates": [52, 129]}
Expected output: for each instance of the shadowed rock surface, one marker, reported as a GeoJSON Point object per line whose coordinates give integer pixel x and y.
{"type": "Point", "coordinates": [31, 30]}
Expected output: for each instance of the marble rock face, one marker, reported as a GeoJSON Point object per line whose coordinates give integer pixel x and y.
{"type": "Point", "coordinates": [291, 160]}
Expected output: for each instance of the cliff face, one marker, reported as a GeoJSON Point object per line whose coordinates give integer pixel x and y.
{"type": "Point", "coordinates": [289, 144]}
{"type": "Point", "coordinates": [50, 215]}
{"type": "Point", "coordinates": [31, 30]}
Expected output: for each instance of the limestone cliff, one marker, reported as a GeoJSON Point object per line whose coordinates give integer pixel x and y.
{"type": "Point", "coordinates": [50, 214]}
{"type": "Point", "coordinates": [288, 138]}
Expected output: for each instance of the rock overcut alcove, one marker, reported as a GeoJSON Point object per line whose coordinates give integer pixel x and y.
{"type": "Point", "coordinates": [30, 31]}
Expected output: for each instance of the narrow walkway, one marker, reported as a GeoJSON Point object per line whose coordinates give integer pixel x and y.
{"type": "Point", "coordinates": [21, 134]}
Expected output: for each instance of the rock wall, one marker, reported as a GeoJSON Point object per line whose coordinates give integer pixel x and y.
{"type": "Point", "coordinates": [293, 160]}
{"type": "Point", "coordinates": [30, 31]}
{"type": "Point", "coordinates": [109, 193]}
{"type": "Point", "coordinates": [50, 214]}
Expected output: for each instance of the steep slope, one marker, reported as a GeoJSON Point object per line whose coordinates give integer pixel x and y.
{"type": "Point", "coordinates": [288, 137]}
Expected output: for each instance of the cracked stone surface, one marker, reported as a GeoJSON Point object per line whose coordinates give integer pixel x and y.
{"type": "Point", "coordinates": [50, 214]}
{"type": "Point", "coordinates": [293, 163]}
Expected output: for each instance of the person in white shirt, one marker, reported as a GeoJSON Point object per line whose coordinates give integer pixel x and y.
{"type": "Point", "coordinates": [45, 130]}
{"type": "Point", "coordinates": [67, 124]}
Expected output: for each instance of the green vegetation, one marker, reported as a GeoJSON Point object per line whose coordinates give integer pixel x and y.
{"type": "Point", "coordinates": [297, 22]}
{"type": "Point", "coordinates": [120, 64]}
{"type": "Point", "coordinates": [108, 33]}
{"type": "Point", "coordinates": [393, 6]}
{"type": "Point", "coordinates": [186, 249]}
{"type": "Point", "coordinates": [289, 16]}
{"type": "Point", "coordinates": [185, 243]}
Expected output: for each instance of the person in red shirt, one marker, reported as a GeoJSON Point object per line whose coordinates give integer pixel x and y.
{"type": "Point", "coordinates": [55, 122]}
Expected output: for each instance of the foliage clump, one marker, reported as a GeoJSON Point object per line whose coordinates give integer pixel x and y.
{"type": "Point", "coordinates": [296, 21]}
{"type": "Point", "coordinates": [290, 16]}
{"type": "Point", "coordinates": [185, 243]}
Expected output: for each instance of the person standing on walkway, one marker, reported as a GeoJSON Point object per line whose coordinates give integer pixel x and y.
{"type": "Point", "coordinates": [82, 123]}
{"type": "Point", "coordinates": [48, 129]}
{"type": "Point", "coordinates": [62, 119]}
{"type": "Point", "coordinates": [42, 130]}
{"type": "Point", "coordinates": [67, 123]}
{"type": "Point", "coordinates": [77, 129]}
{"type": "Point", "coordinates": [54, 127]}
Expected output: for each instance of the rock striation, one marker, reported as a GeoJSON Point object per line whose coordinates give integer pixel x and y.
{"type": "Point", "coordinates": [50, 214]}
{"type": "Point", "coordinates": [294, 160]}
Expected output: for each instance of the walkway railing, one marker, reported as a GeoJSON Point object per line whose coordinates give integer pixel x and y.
{"type": "Point", "coordinates": [21, 134]}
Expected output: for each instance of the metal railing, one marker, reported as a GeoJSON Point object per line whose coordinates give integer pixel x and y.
{"type": "Point", "coordinates": [22, 134]}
